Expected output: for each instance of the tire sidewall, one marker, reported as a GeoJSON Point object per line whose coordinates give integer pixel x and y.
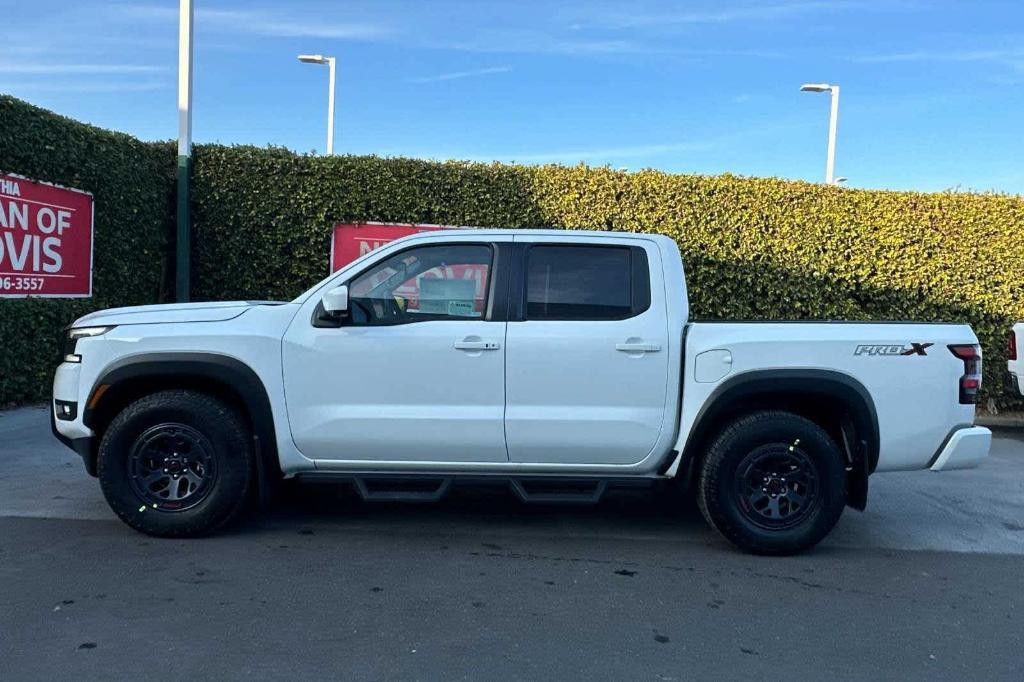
{"type": "Point", "coordinates": [230, 451]}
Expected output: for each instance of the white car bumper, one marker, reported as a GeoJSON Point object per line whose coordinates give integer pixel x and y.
{"type": "Point", "coordinates": [965, 449]}
{"type": "Point", "coordinates": [66, 393]}
{"type": "Point", "coordinates": [1017, 383]}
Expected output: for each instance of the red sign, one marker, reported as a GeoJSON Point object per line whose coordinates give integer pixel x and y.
{"type": "Point", "coordinates": [45, 240]}
{"type": "Point", "coordinates": [352, 240]}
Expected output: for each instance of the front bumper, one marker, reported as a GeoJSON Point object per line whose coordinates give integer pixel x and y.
{"type": "Point", "coordinates": [964, 449]}
{"type": "Point", "coordinates": [82, 446]}
{"type": "Point", "coordinates": [66, 414]}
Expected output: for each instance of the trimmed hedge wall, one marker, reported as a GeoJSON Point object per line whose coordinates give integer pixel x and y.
{"type": "Point", "coordinates": [753, 248]}
{"type": "Point", "coordinates": [132, 184]}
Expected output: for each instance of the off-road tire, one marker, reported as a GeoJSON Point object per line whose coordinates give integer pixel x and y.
{"type": "Point", "coordinates": [720, 481]}
{"type": "Point", "coordinates": [224, 434]}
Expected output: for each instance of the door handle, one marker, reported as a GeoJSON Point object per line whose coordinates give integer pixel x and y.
{"type": "Point", "coordinates": [477, 345]}
{"type": "Point", "coordinates": [638, 347]}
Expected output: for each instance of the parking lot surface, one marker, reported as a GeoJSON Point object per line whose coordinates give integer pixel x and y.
{"type": "Point", "coordinates": [926, 584]}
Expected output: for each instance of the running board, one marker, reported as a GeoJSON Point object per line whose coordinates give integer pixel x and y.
{"type": "Point", "coordinates": [415, 487]}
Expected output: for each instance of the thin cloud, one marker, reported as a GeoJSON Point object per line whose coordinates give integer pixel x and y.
{"type": "Point", "coordinates": [1010, 58]}
{"type": "Point", "coordinates": [944, 56]}
{"type": "Point", "coordinates": [526, 41]}
{"type": "Point", "coordinates": [455, 75]}
{"type": "Point", "coordinates": [270, 25]}
{"type": "Point", "coordinates": [529, 41]}
{"type": "Point", "coordinates": [63, 69]}
{"type": "Point", "coordinates": [83, 87]}
{"type": "Point", "coordinates": [723, 16]}
{"type": "Point", "coordinates": [258, 23]}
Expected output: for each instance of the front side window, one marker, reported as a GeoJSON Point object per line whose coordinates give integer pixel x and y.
{"type": "Point", "coordinates": [579, 283]}
{"type": "Point", "coordinates": [426, 283]}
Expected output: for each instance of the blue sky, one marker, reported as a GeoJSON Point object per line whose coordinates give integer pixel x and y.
{"type": "Point", "coordinates": [932, 92]}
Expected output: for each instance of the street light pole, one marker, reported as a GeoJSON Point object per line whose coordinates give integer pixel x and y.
{"type": "Point", "coordinates": [330, 107]}
{"type": "Point", "coordinates": [833, 122]}
{"type": "Point", "coordinates": [183, 233]}
{"type": "Point", "coordinates": [330, 62]}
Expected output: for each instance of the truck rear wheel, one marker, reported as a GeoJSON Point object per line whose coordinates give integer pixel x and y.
{"type": "Point", "coordinates": [772, 482]}
{"type": "Point", "coordinates": [176, 463]}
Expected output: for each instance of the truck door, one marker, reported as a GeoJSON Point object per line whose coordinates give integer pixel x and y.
{"type": "Point", "coordinates": [587, 353]}
{"type": "Point", "coordinates": [415, 372]}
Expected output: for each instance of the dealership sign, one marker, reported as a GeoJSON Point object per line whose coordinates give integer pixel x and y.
{"type": "Point", "coordinates": [354, 240]}
{"type": "Point", "coordinates": [443, 285]}
{"type": "Point", "coordinates": [45, 240]}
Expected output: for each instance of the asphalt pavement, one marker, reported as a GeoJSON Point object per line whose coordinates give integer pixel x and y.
{"type": "Point", "coordinates": [926, 584]}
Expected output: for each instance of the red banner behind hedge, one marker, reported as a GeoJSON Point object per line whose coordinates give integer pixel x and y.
{"type": "Point", "coordinates": [352, 240]}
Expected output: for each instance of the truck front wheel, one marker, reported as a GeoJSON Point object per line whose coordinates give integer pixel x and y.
{"type": "Point", "coordinates": [772, 482]}
{"type": "Point", "coordinates": [176, 463]}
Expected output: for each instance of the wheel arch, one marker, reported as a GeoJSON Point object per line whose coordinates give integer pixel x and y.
{"type": "Point", "coordinates": [836, 401]}
{"type": "Point", "coordinates": [222, 376]}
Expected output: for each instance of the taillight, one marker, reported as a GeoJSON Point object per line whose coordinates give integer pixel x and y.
{"type": "Point", "coordinates": [970, 382]}
{"type": "Point", "coordinates": [1013, 345]}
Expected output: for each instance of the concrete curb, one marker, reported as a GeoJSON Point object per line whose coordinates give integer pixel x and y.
{"type": "Point", "coordinates": [1012, 420]}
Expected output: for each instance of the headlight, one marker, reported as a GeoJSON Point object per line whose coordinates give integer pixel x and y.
{"type": "Point", "coordinates": [71, 341]}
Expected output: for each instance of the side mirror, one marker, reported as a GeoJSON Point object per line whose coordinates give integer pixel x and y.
{"type": "Point", "coordinates": [335, 301]}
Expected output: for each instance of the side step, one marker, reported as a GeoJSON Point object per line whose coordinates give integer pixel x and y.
{"type": "Point", "coordinates": [396, 489]}
{"type": "Point", "coordinates": [411, 487]}
{"type": "Point", "coordinates": [558, 491]}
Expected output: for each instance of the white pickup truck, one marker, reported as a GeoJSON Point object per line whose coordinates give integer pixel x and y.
{"type": "Point", "coordinates": [561, 363]}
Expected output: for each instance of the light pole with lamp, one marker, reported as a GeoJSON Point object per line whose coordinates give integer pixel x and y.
{"type": "Point", "coordinates": [830, 164]}
{"type": "Point", "coordinates": [329, 61]}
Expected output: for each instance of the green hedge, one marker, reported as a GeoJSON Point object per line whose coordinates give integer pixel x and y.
{"type": "Point", "coordinates": [753, 248]}
{"type": "Point", "coordinates": [132, 184]}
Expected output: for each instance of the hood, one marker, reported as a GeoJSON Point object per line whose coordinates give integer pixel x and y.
{"type": "Point", "coordinates": [212, 311]}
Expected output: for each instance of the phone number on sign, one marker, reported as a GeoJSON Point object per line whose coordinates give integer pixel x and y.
{"type": "Point", "coordinates": [21, 283]}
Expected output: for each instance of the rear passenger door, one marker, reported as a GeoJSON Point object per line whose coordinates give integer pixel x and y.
{"type": "Point", "coordinates": [586, 352]}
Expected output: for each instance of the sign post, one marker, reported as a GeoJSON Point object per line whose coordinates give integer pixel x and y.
{"type": "Point", "coordinates": [46, 236]}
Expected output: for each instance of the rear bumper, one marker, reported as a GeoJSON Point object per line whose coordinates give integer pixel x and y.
{"type": "Point", "coordinates": [965, 448]}
{"type": "Point", "coordinates": [1016, 384]}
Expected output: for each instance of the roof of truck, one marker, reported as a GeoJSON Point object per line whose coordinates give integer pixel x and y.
{"type": "Point", "coordinates": [539, 232]}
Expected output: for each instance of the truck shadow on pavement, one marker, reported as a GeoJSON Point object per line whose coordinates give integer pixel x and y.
{"type": "Point", "coordinates": [660, 512]}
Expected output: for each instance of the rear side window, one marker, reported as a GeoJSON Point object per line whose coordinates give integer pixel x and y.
{"type": "Point", "coordinates": [586, 282]}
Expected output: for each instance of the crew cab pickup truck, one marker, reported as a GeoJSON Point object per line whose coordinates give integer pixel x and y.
{"type": "Point", "coordinates": [558, 362]}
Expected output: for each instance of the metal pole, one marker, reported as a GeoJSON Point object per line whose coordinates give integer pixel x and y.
{"type": "Point", "coordinates": [184, 241]}
{"type": "Point", "coordinates": [830, 167]}
{"type": "Point", "coordinates": [330, 108]}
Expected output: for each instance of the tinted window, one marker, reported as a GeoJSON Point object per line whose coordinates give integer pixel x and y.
{"type": "Point", "coordinates": [431, 282]}
{"type": "Point", "coordinates": [578, 283]}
